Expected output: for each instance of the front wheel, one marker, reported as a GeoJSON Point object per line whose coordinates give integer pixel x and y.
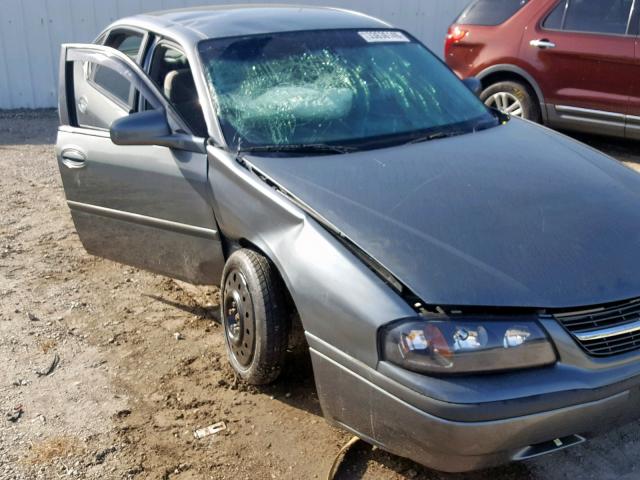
{"type": "Point", "coordinates": [512, 98]}
{"type": "Point", "coordinates": [254, 313]}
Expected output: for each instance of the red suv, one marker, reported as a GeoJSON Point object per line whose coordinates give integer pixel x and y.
{"type": "Point", "coordinates": [571, 64]}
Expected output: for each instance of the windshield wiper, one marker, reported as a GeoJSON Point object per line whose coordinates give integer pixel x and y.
{"type": "Point", "coordinates": [435, 136]}
{"type": "Point", "coordinates": [299, 148]}
{"type": "Point", "coordinates": [451, 133]}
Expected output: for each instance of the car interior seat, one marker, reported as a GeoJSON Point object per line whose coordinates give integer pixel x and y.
{"type": "Point", "coordinates": [180, 90]}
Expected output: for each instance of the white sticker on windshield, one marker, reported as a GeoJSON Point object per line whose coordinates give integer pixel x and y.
{"type": "Point", "coordinates": [378, 36]}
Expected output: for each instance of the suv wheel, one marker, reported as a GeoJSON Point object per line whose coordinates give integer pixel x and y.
{"type": "Point", "coordinates": [254, 313]}
{"type": "Point", "coordinates": [512, 98]}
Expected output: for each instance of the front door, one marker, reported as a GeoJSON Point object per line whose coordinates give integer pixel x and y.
{"type": "Point", "coordinates": [146, 206]}
{"type": "Point", "coordinates": [582, 53]}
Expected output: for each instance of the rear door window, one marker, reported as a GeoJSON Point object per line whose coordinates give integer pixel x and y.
{"type": "Point", "coordinates": [591, 16]}
{"type": "Point", "coordinates": [598, 16]}
{"type": "Point", "coordinates": [490, 12]}
{"type": "Point", "coordinates": [556, 17]}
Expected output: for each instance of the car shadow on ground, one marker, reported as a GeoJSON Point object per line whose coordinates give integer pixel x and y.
{"type": "Point", "coordinates": [207, 312]}
{"type": "Point", "coordinates": [359, 459]}
{"type": "Point", "coordinates": [296, 388]}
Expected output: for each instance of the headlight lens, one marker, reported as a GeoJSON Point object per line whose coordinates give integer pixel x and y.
{"type": "Point", "coordinates": [466, 345]}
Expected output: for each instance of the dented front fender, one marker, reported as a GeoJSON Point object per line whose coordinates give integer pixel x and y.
{"type": "Point", "coordinates": [339, 299]}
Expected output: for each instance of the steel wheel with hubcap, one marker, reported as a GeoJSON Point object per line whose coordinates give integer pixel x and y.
{"type": "Point", "coordinates": [239, 327]}
{"type": "Point", "coordinates": [255, 316]}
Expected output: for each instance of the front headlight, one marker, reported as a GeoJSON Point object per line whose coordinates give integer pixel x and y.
{"type": "Point", "coordinates": [466, 344]}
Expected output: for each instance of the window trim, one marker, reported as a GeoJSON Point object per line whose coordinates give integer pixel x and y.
{"type": "Point", "coordinates": [632, 16]}
{"type": "Point", "coordinates": [101, 38]}
{"type": "Point", "coordinates": [628, 33]}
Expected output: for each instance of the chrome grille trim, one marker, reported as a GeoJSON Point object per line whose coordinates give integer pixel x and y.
{"type": "Point", "coordinates": [603, 331]}
{"type": "Point", "coordinates": [609, 332]}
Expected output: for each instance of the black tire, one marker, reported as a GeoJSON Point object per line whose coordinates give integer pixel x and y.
{"type": "Point", "coordinates": [528, 99]}
{"type": "Point", "coordinates": [255, 317]}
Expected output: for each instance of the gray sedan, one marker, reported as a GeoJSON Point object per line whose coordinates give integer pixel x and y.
{"type": "Point", "coordinates": [467, 283]}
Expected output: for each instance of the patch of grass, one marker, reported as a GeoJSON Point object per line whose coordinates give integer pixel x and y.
{"type": "Point", "coordinates": [52, 448]}
{"type": "Point", "coordinates": [47, 345]}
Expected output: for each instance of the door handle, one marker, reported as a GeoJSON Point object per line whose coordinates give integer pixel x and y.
{"type": "Point", "coordinates": [73, 158]}
{"type": "Point", "coordinates": [542, 43]}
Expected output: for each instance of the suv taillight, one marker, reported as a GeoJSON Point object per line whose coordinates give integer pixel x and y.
{"type": "Point", "coordinates": [455, 34]}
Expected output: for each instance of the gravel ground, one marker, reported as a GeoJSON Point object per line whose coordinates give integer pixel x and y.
{"type": "Point", "coordinates": [103, 388]}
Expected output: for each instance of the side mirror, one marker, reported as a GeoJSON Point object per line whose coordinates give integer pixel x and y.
{"type": "Point", "coordinates": [473, 84]}
{"type": "Point", "coordinates": [151, 128]}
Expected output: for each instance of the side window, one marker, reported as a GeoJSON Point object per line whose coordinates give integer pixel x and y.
{"type": "Point", "coordinates": [593, 16]}
{"type": "Point", "coordinates": [490, 12]}
{"type": "Point", "coordinates": [109, 82]}
{"type": "Point", "coordinates": [101, 95]}
{"type": "Point", "coordinates": [554, 20]}
{"type": "Point", "coordinates": [172, 74]}
{"type": "Point", "coordinates": [128, 42]}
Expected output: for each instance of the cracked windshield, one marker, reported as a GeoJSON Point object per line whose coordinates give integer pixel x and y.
{"type": "Point", "coordinates": [338, 88]}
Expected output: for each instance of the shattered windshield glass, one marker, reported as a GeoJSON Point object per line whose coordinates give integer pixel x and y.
{"type": "Point", "coordinates": [340, 87]}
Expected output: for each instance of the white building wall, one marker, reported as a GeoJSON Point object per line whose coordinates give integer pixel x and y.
{"type": "Point", "coordinates": [31, 32]}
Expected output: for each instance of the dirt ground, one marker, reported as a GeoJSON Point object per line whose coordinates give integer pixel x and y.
{"type": "Point", "coordinates": [125, 393]}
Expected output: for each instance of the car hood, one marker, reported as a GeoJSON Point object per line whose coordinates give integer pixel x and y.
{"type": "Point", "coordinates": [516, 216]}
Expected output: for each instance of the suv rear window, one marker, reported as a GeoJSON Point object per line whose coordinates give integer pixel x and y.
{"type": "Point", "coordinates": [490, 12]}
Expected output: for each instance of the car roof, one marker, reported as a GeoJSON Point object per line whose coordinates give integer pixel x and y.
{"type": "Point", "coordinates": [198, 23]}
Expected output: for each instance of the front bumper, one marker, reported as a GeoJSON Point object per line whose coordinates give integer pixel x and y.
{"type": "Point", "coordinates": [357, 402]}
